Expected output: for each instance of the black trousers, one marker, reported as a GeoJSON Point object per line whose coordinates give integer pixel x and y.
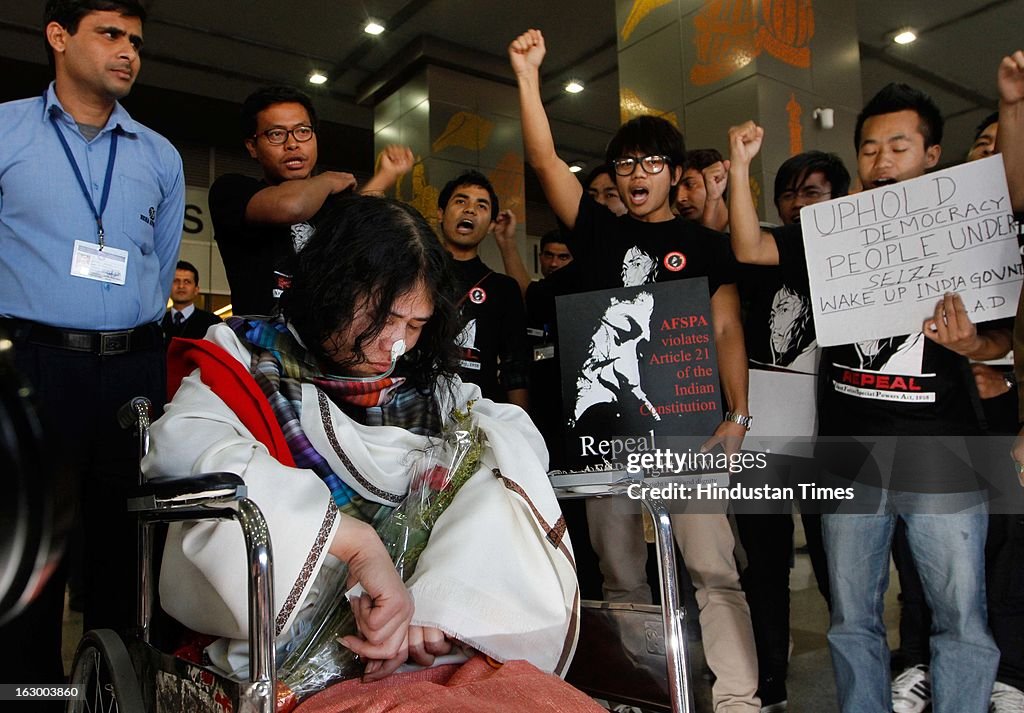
{"type": "Point", "coordinates": [79, 394]}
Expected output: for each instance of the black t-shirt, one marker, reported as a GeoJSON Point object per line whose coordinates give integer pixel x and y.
{"type": "Point", "coordinates": [620, 251]}
{"type": "Point", "coordinates": [609, 252]}
{"type": "Point", "coordinates": [495, 354]}
{"type": "Point", "coordinates": [256, 256]}
{"type": "Point", "coordinates": [904, 385]}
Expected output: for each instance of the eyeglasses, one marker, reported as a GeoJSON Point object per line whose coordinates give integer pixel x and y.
{"type": "Point", "coordinates": [278, 136]}
{"type": "Point", "coordinates": [651, 164]}
{"type": "Point", "coordinates": [810, 193]}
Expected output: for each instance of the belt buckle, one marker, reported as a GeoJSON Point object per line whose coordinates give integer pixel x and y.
{"type": "Point", "coordinates": [114, 343]}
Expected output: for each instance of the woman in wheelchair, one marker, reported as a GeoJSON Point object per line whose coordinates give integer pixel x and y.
{"type": "Point", "coordinates": [318, 409]}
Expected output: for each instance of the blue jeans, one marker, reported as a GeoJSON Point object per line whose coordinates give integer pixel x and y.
{"type": "Point", "coordinates": [949, 551]}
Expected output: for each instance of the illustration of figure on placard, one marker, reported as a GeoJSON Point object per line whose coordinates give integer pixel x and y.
{"type": "Point", "coordinates": [612, 368]}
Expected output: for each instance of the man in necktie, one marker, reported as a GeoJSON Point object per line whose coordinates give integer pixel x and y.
{"type": "Point", "coordinates": [184, 319]}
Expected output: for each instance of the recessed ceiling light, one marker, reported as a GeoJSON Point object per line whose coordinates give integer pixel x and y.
{"type": "Point", "coordinates": [317, 77]}
{"type": "Point", "coordinates": [574, 86]}
{"type": "Point", "coordinates": [373, 28]}
{"type": "Point", "coordinates": [904, 37]}
{"type": "Point", "coordinates": [576, 166]}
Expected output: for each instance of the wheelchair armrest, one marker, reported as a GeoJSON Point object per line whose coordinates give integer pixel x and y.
{"type": "Point", "coordinates": [165, 492]}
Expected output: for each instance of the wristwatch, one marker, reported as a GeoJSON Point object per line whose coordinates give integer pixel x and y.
{"type": "Point", "coordinates": [739, 418]}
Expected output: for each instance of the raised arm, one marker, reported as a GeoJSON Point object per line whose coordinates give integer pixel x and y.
{"type": "Point", "coordinates": [1011, 124]}
{"type": "Point", "coordinates": [505, 237]}
{"type": "Point", "coordinates": [563, 191]}
{"type": "Point", "coordinates": [749, 243]}
{"type": "Point", "coordinates": [392, 163]}
{"type": "Point", "coordinates": [716, 212]}
{"type": "Point", "coordinates": [298, 200]}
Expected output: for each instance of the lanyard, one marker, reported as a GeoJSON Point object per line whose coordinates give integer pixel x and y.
{"type": "Point", "coordinates": [98, 214]}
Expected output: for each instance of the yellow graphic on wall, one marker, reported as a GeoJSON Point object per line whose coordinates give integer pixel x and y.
{"type": "Point", "coordinates": [632, 106]}
{"type": "Point", "coordinates": [424, 195]}
{"type": "Point", "coordinates": [640, 10]}
{"type": "Point", "coordinates": [464, 130]}
{"type": "Point", "coordinates": [469, 131]}
{"type": "Point", "coordinates": [509, 183]}
{"type": "Point", "coordinates": [796, 130]}
{"type": "Point", "coordinates": [731, 34]}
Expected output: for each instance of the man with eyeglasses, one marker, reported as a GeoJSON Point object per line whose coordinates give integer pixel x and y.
{"type": "Point", "coordinates": [808, 178]}
{"type": "Point", "coordinates": [90, 223]}
{"type": "Point", "coordinates": [260, 224]}
{"type": "Point", "coordinates": [652, 244]}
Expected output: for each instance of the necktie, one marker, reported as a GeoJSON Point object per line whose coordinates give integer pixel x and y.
{"type": "Point", "coordinates": [179, 318]}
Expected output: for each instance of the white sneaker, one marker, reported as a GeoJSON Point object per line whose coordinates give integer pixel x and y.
{"type": "Point", "coordinates": [912, 690]}
{"type": "Point", "coordinates": [1006, 699]}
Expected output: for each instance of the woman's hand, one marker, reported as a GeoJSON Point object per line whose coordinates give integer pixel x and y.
{"type": "Point", "coordinates": [426, 643]}
{"type": "Point", "coordinates": [384, 610]}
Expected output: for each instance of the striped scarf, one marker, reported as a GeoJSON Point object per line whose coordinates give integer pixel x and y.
{"type": "Point", "coordinates": [280, 365]}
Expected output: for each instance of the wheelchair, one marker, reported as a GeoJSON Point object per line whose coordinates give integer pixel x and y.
{"type": "Point", "coordinates": [628, 653]}
{"type": "Point", "coordinates": [129, 675]}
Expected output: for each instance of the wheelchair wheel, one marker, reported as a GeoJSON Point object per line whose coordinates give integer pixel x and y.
{"type": "Point", "coordinates": [104, 672]}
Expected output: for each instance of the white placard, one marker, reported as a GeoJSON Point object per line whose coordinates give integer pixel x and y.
{"type": "Point", "coordinates": [879, 261]}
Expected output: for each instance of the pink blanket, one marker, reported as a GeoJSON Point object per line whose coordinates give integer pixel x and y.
{"type": "Point", "coordinates": [475, 686]}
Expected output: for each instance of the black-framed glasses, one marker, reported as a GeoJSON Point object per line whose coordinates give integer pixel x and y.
{"type": "Point", "coordinates": [279, 135]}
{"type": "Point", "coordinates": [651, 164]}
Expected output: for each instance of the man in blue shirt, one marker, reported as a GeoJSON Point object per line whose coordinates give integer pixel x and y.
{"type": "Point", "coordinates": [91, 208]}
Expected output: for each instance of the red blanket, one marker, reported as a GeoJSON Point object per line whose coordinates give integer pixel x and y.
{"type": "Point", "coordinates": [233, 383]}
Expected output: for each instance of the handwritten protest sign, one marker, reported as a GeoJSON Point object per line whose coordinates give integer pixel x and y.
{"type": "Point", "coordinates": [880, 260]}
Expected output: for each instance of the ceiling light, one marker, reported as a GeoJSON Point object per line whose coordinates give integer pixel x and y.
{"type": "Point", "coordinates": [373, 28]}
{"type": "Point", "coordinates": [574, 86]}
{"type": "Point", "coordinates": [904, 37]}
{"type": "Point", "coordinates": [317, 77]}
{"type": "Point", "coordinates": [576, 166]}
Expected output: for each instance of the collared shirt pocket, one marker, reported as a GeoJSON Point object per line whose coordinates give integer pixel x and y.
{"type": "Point", "coordinates": [140, 199]}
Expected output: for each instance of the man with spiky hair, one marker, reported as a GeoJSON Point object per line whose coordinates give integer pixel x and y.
{"type": "Point", "coordinates": [652, 244]}
{"type": "Point", "coordinates": [923, 397]}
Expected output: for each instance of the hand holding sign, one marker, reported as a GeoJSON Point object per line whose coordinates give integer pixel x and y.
{"type": "Point", "coordinates": [951, 327]}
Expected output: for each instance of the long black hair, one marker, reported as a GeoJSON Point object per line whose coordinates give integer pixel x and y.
{"type": "Point", "coordinates": [364, 254]}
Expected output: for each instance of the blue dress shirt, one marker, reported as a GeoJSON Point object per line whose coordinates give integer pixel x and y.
{"type": "Point", "coordinates": [43, 212]}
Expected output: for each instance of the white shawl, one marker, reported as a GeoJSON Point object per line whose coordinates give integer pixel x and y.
{"type": "Point", "coordinates": [498, 573]}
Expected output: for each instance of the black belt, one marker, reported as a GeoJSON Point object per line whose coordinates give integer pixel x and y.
{"type": "Point", "coordinates": [148, 336]}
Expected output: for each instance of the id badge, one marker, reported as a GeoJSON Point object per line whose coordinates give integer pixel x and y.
{"type": "Point", "coordinates": [92, 263]}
